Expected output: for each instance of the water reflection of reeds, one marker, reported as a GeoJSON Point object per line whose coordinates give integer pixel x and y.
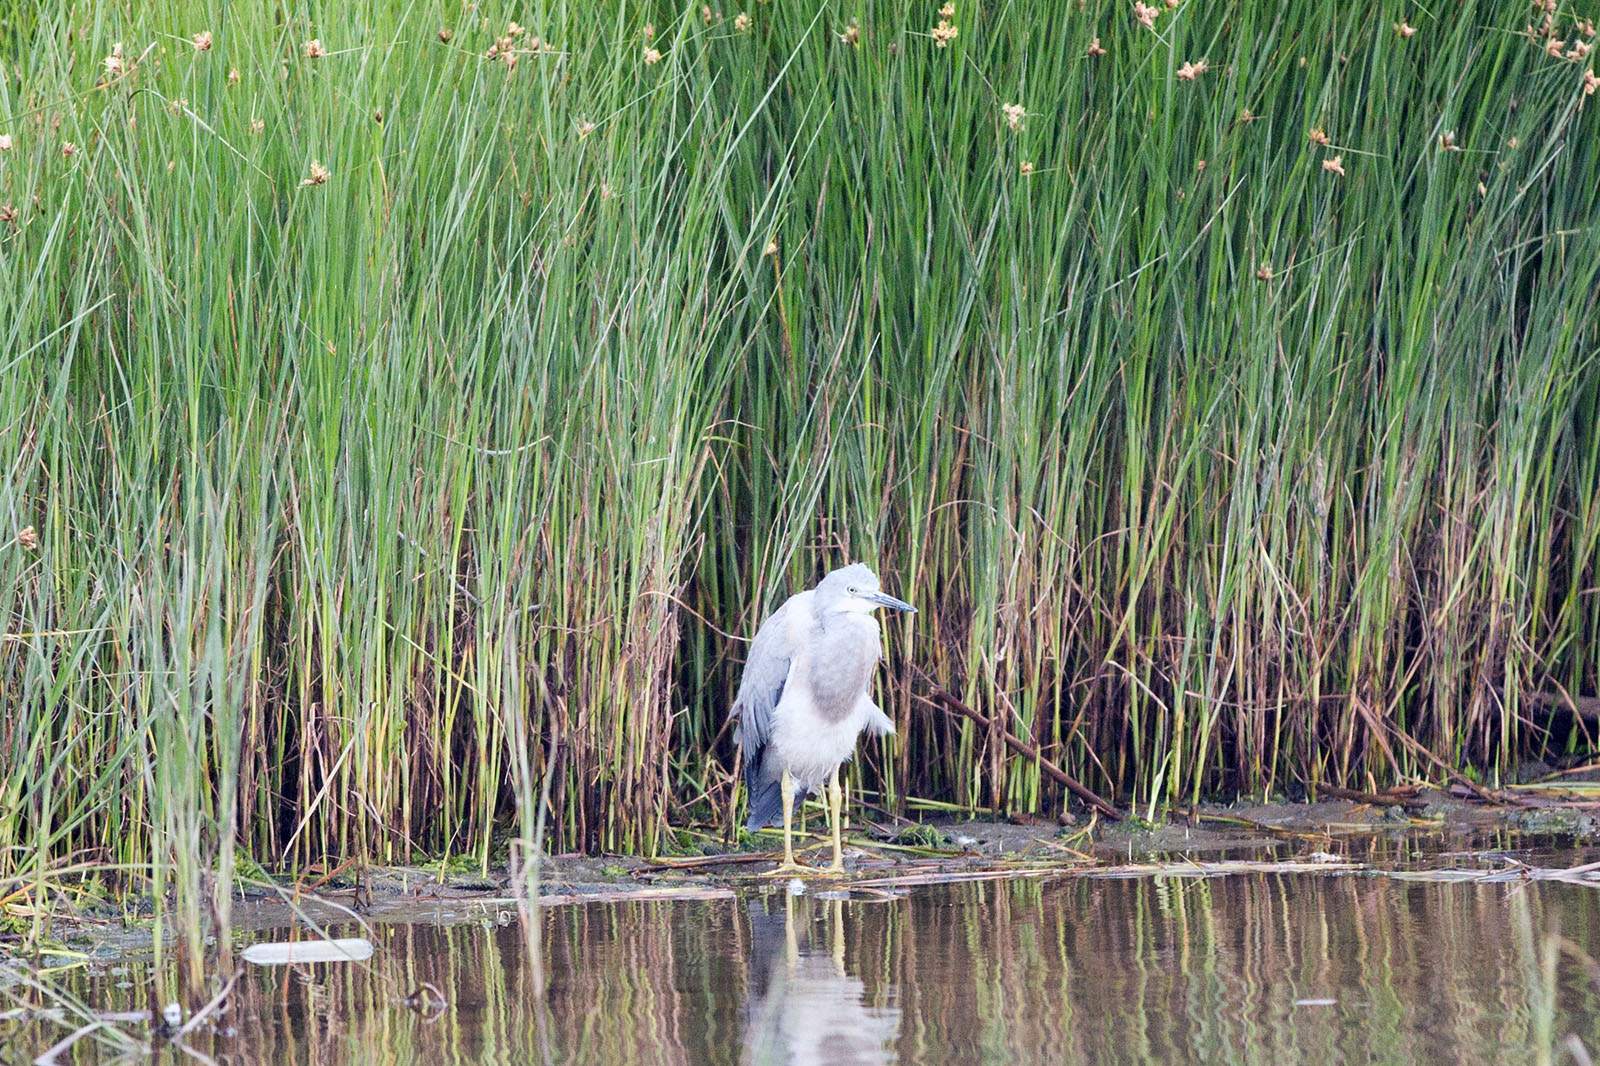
{"type": "Point", "coordinates": [1209, 970]}
{"type": "Point", "coordinates": [1085, 970]}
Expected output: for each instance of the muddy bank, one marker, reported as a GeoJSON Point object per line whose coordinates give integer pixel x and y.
{"type": "Point", "coordinates": [1407, 829]}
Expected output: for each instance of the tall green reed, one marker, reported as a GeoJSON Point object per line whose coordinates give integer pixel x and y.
{"type": "Point", "coordinates": [395, 415]}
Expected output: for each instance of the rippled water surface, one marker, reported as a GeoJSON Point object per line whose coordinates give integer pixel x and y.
{"type": "Point", "coordinates": [1254, 968]}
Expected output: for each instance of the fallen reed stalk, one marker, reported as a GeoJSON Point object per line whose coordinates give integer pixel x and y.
{"type": "Point", "coordinates": [943, 699]}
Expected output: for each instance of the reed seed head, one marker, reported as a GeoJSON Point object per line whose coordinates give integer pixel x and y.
{"type": "Point", "coordinates": [651, 57]}
{"type": "Point", "coordinates": [944, 33]}
{"type": "Point", "coordinates": [1027, 167]}
{"type": "Point", "coordinates": [1404, 29]}
{"type": "Point", "coordinates": [27, 538]}
{"type": "Point", "coordinates": [1590, 83]}
{"type": "Point", "coordinates": [1334, 165]}
{"type": "Point", "coordinates": [1318, 135]}
{"type": "Point", "coordinates": [1014, 113]}
{"type": "Point", "coordinates": [68, 149]}
{"type": "Point", "coordinates": [1191, 71]}
{"type": "Point", "coordinates": [741, 21]}
{"type": "Point", "coordinates": [5, 142]}
{"type": "Point", "coordinates": [8, 215]}
{"type": "Point", "coordinates": [233, 75]}
{"type": "Point", "coordinates": [313, 49]}
{"type": "Point", "coordinates": [319, 174]}
{"type": "Point", "coordinates": [1145, 14]}
{"type": "Point", "coordinates": [1095, 49]}
{"type": "Point", "coordinates": [201, 41]}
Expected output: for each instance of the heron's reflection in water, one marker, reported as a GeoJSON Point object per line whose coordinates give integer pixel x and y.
{"type": "Point", "coordinates": [805, 1008]}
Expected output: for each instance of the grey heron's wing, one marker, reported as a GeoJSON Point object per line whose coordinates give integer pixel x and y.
{"type": "Point", "coordinates": [766, 671]}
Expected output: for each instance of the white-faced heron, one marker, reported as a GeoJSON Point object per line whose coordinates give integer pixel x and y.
{"type": "Point", "coordinates": [806, 695]}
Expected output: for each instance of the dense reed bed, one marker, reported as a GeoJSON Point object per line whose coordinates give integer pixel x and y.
{"type": "Point", "coordinates": [402, 405]}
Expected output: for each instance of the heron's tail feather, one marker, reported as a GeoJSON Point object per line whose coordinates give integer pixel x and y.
{"type": "Point", "coordinates": [766, 805]}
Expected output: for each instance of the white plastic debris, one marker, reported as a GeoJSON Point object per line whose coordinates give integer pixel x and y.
{"type": "Point", "coordinates": [347, 949]}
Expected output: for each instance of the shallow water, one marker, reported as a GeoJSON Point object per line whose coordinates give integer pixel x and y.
{"type": "Point", "coordinates": [1256, 968]}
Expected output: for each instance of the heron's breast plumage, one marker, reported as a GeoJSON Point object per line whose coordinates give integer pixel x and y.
{"type": "Point", "coordinates": [841, 664]}
{"type": "Point", "coordinates": [825, 705]}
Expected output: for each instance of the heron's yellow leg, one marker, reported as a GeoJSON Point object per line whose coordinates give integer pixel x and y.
{"type": "Point", "coordinates": [788, 866]}
{"type": "Point", "coordinates": [835, 816]}
{"type": "Point", "coordinates": [788, 819]}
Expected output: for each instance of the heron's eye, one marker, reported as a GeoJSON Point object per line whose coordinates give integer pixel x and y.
{"type": "Point", "coordinates": [851, 590]}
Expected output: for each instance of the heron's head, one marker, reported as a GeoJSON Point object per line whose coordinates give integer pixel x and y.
{"type": "Point", "coordinates": [854, 589]}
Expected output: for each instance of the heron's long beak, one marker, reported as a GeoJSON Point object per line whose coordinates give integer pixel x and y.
{"type": "Point", "coordinates": [883, 599]}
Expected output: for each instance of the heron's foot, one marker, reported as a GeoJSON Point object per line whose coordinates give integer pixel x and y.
{"type": "Point", "coordinates": [793, 869]}
{"type": "Point", "coordinates": [835, 869]}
